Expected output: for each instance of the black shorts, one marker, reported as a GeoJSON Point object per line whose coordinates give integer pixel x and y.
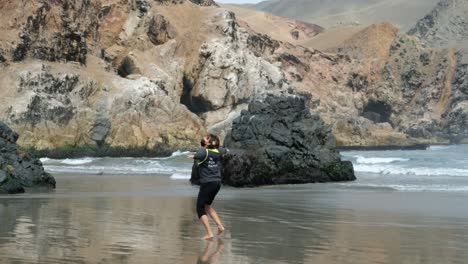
{"type": "Point", "coordinates": [206, 196]}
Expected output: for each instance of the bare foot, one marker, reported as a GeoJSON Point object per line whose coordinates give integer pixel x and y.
{"type": "Point", "coordinates": [208, 237]}
{"type": "Point", "coordinates": [220, 230]}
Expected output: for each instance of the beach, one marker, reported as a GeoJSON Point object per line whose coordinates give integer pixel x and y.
{"type": "Point", "coordinates": [105, 215]}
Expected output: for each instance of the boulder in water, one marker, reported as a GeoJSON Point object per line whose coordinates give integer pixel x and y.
{"type": "Point", "coordinates": [278, 141]}
{"type": "Point", "coordinates": [18, 169]}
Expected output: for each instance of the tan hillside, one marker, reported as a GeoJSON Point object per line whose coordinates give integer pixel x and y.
{"type": "Point", "coordinates": [330, 38]}
{"type": "Point", "coordinates": [279, 28]}
{"type": "Point", "coordinates": [371, 42]}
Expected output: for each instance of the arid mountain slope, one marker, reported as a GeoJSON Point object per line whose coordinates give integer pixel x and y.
{"type": "Point", "coordinates": [143, 73]}
{"type": "Point", "coordinates": [403, 14]}
{"type": "Point", "coordinates": [278, 28]}
{"type": "Point", "coordinates": [446, 25]}
{"type": "Point", "coordinates": [376, 85]}
{"type": "Point", "coordinates": [116, 72]}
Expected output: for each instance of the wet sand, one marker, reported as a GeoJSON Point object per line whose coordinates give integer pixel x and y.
{"type": "Point", "coordinates": [152, 219]}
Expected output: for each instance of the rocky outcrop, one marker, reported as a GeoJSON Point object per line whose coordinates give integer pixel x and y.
{"type": "Point", "coordinates": [204, 2]}
{"type": "Point", "coordinates": [456, 115]}
{"type": "Point", "coordinates": [129, 66]}
{"type": "Point", "coordinates": [160, 30]}
{"type": "Point", "coordinates": [142, 73]}
{"type": "Point", "coordinates": [283, 143]}
{"type": "Point", "coordinates": [2, 57]}
{"type": "Point", "coordinates": [446, 25]}
{"type": "Point", "coordinates": [55, 107]}
{"type": "Point", "coordinates": [197, 2]}
{"type": "Point", "coordinates": [49, 97]}
{"type": "Point", "coordinates": [262, 45]}
{"type": "Point", "coordinates": [229, 75]}
{"type": "Point", "coordinates": [67, 44]}
{"type": "Point", "coordinates": [19, 170]}
{"type": "Point", "coordinates": [143, 59]}
{"type": "Point", "coordinates": [417, 86]}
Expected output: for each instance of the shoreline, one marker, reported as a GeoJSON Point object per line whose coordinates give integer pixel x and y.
{"type": "Point", "coordinates": [160, 151]}
{"type": "Point", "coordinates": [74, 152]}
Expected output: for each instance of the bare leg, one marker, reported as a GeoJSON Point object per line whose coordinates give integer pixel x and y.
{"type": "Point", "coordinates": [211, 211]}
{"type": "Point", "coordinates": [206, 224]}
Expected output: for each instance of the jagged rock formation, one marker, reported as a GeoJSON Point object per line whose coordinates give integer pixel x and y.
{"type": "Point", "coordinates": [282, 143]}
{"type": "Point", "coordinates": [414, 87]}
{"type": "Point", "coordinates": [160, 30]}
{"type": "Point", "coordinates": [54, 108]}
{"type": "Point", "coordinates": [340, 84]}
{"type": "Point", "coordinates": [378, 87]}
{"type": "Point", "coordinates": [19, 170]}
{"type": "Point", "coordinates": [446, 25]}
{"type": "Point", "coordinates": [139, 60]}
{"type": "Point", "coordinates": [68, 45]}
{"type": "Point", "coordinates": [228, 76]}
{"type": "Point", "coordinates": [141, 73]}
{"type": "Point", "coordinates": [456, 115]}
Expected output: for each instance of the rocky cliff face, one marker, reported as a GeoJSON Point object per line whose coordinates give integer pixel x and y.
{"type": "Point", "coordinates": [19, 170]}
{"type": "Point", "coordinates": [446, 25]}
{"type": "Point", "coordinates": [129, 73]}
{"type": "Point", "coordinates": [379, 87]}
{"type": "Point", "coordinates": [142, 73]}
{"type": "Point", "coordinates": [455, 121]}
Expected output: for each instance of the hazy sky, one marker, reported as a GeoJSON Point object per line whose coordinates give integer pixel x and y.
{"type": "Point", "coordinates": [238, 1]}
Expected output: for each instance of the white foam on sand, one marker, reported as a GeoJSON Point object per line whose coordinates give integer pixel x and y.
{"type": "Point", "coordinates": [44, 160]}
{"type": "Point", "coordinates": [366, 160]}
{"type": "Point", "coordinates": [420, 171]}
{"type": "Point", "coordinates": [180, 176]}
{"type": "Point", "coordinates": [409, 187]}
{"type": "Point", "coordinates": [439, 147]}
{"type": "Point", "coordinates": [79, 161]}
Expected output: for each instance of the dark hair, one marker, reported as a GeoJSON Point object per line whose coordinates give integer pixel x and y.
{"type": "Point", "coordinates": [213, 141]}
{"type": "Point", "coordinates": [202, 142]}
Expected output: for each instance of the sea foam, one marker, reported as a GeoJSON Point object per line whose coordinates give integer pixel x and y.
{"type": "Point", "coordinates": [420, 171]}
{"type": "Point", "coordinates": [366, 160]}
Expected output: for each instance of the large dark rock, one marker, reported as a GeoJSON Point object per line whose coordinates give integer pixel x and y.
{"type": "Point", "coordinates": [282, 143]}
{"type": "Point", "coordinates": [19, 170]}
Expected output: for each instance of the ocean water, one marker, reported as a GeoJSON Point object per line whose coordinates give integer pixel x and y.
{"type": "Point", "coordinates": [439, 168]}
{"type": "Point", "coordinates": [405, 207]}
{"type": "Point", "coordinates": [177, 166]}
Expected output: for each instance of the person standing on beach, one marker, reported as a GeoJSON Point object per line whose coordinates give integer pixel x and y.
{"type": "Point", "coordinates": [209, 159]}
